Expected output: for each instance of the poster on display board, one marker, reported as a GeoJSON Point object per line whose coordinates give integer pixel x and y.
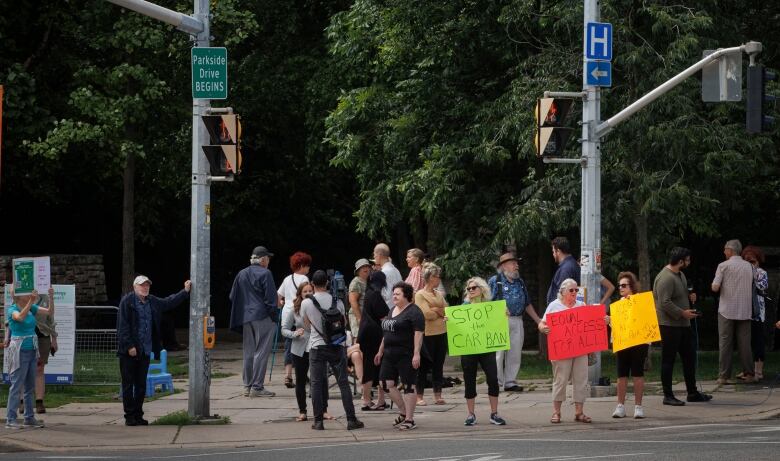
{"type": "Point", "coordinates": [32, 274]}
{"type": "Point", "coordinates": [59, 370]}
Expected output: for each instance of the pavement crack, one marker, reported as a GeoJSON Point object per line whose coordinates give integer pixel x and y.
{"type": "Point", "coordinates": [176, 436]}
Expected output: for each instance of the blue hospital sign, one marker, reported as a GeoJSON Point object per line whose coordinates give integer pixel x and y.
{"type": "Point", "coordinates": [598, 41]}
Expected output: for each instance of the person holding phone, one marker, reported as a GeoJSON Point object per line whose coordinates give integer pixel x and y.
{"type": "Point", "coordinates": [670, 291]}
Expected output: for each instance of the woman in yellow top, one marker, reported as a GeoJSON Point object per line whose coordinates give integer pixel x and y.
{"type": "Point", "coordinates": [432, 304]}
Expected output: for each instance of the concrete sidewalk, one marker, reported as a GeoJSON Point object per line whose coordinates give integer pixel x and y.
{"type": "Point", "coordinates": [270, 421]}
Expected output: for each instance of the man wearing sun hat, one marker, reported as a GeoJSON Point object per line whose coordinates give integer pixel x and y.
{"type": "Point", "coordinates": [508, 285]}
{"type": "Point", "coordinates": [357, 290]}
{"type": "Point", "coordinates": [138, 335]}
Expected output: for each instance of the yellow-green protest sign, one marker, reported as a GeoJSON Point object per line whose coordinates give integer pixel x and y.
{"type": "Point", "coordinates": [477, 328]}
{"type": "Point", "coordinates": [634, 321]}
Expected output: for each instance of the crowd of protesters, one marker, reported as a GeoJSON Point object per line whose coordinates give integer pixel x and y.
{"type": "Point", "coordinates": [395, 333]}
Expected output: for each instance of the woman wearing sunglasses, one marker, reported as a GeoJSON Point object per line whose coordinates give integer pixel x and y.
{"type": "Point", "coordinates": [575, 368]}
{"type": "Point", "coordinates": [478, 291]}
{"type": "Point", "coordinates": [630, 360]}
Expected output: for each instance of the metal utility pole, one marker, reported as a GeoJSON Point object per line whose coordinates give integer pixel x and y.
{"type": "Point", "coordinates": [590, 226]}
{"type": "Point", "coordinates": [197, 26]}
{"type": "Point", "coordinates": [200, 244]}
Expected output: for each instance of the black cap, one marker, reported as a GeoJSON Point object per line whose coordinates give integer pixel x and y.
{"type": "Point", "coordinates": [261, 251]}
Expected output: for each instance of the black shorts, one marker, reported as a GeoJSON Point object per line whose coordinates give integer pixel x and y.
{"type": "Point", "coordinates": [398, 364]}
{"type": "Point", "coordinates": [632, 360]}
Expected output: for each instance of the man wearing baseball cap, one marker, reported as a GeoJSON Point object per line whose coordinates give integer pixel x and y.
{"type": "Point", "coordinates": [508, 285]}
{"type": "Point", "coordinates": [138, 335]}
{"type": "Point", "coordinates": [253, 314]}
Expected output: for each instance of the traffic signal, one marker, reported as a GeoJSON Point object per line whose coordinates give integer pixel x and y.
{"type": "Point", "coordinates": [224, 149]}
{"type": "Point", "coordinates": [757, 79]}
{"type": "Point", "coordinates": [551, 134]}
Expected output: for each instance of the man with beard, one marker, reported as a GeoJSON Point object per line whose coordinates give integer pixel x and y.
{"type": "Point", "coordinates": [508, 285]}
{"type": "Point", "coordinates": [670, 290]}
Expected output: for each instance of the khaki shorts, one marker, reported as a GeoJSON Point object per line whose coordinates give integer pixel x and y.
{"type": "Point", "coordinates": [44, 349]}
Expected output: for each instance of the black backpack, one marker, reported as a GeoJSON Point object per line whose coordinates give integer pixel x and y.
{"type": "Point", "coordinates": [334, 330]}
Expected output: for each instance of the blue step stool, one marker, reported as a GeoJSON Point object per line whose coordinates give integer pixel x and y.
{"type": "Point", "coordinates": [158, 375]}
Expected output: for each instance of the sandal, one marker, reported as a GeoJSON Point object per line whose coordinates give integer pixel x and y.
{"type": "Point", "coordinates": [582, 418]}
{"type": "Point", "coordinates": [379, 406]}
{"type": "Point", "coordinates": [556, 418]}
{"type": "Point", "coordinates": [407, 426]}
{"type": "Point", "coordinates": [288, 382]}
{"type": "Point", "coordinates": [367, 406]}
{"type": "Point", "coordinates": [421, 403]}
{"type": "Point", "coordinates": [327, 417]}
{"type": "Point", "coordinates": [301, 417]}
{"type": "Point", "coordinates": [440, 402]}
{"type": "Point", "coordinates": [399, 420]}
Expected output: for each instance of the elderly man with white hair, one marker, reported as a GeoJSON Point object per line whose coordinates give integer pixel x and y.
{"type": "Point", "coordinates": [138, 335]}
{"type": "Point", "coordinates": [392, 276]}
{"type": "Point", "coordinates": [734, 282]}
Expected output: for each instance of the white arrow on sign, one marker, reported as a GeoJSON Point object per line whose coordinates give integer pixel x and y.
{"type": "Point", "coordinates": [598, 73]}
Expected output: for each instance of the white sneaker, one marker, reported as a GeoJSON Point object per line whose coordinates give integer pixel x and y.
{"type": "Point", "coordinates": [620, 411]}
{"type": "Point", "coordinates": [639, 413]}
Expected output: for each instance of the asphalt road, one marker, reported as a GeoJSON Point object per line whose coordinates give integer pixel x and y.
{"type": "Point", "coordinates": [752, 441]}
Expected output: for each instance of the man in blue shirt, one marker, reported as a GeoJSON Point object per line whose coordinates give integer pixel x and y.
{"type": "Point", "coordinates": [253, 314]}
{"type": "Point", "coordinates": [508, 285]}
{"type": "Point", "coordinates": [567, 267]}
{"type": "Point", "coordinates": [138, 335]}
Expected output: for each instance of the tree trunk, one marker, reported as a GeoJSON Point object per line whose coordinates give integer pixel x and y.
{"type": "Point", "coordinates": [128, 224]}
{"type": "Point", "coordinates": [544, 270]}
{"type": "Point", "coordinates": [642, 251]}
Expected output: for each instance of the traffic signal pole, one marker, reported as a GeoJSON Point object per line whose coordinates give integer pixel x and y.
{"type": "Point", "coordinates": [200, 244]}
{"type": "Point", "coordinates": [590, 225]}
{"type": "Point", "coordinates": [197, 26]}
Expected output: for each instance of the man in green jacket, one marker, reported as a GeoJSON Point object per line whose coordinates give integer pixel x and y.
{"type": "Point", "coordinates": [670, 290]}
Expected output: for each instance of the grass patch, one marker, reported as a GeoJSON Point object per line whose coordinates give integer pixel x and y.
{"type": "Point", "coordinates": [57, 396]}
{"type": "Point", "coordinates": [182, 418]}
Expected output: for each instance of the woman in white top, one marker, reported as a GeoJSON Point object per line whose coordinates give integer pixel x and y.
{"type": "Point", "coordinates": [300, 263]}
{"type": "Point", "coordinates": [575, 368]}
{"type": "Point", "coordinates": [293, 329]}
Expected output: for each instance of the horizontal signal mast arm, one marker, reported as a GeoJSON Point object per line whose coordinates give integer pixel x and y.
{"type": "Point", "coordinates": [181, 21]}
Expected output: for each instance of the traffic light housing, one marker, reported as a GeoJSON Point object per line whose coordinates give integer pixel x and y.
{"type": "Point", "coordinates": [756, 119]}
{"type": "Point", "coordinates": [551, 132]}
{"type": "Point", "coordinates": [224, 149]}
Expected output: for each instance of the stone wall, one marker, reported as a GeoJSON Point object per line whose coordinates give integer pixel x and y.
{"type": "Point", "coordinates": [84, 271]}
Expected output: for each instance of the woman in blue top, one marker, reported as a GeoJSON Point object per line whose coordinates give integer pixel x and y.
{"type": "Point", "coordinates": [23, 357]}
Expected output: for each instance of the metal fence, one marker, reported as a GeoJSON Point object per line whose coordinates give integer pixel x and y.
{"type": "Point", "coordinates": [95, 360]}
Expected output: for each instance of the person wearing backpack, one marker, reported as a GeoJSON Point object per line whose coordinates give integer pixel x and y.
{"type": "Point", "coordinates": [324, 315]}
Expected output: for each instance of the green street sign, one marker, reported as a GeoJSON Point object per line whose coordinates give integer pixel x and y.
{"type": "Point", "coordinates": [209, 73]}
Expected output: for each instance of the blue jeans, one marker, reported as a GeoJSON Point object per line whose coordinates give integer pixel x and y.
{"type": "Point", "coordinates": [24, 376]}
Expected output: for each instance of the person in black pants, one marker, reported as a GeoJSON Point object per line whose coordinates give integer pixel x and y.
{"type": "Point", "coordinates": [432, 304]}
{"type": "Point", "coordinates": [670, 290]}
{"type": "Point", "coordinates": [324, 352]}
{"type": "Point", "coordinates": [138, 335]}
{"type": "Point", "coordinates": [478, 291]}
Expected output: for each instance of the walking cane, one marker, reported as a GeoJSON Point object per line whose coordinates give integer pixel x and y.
{"type": "Point", "coordinates": [276, 342]}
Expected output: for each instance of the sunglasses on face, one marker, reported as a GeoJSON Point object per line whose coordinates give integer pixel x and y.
{"type": "Point", "coordinates": [573, 290]}
{"type": "Point", "coordinates": [623, 285]}
{"type": "Point", "coordinates": [472, 288]}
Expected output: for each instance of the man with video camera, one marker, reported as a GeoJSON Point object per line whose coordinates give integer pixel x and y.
{"type": "Point", "coordinates": [324, 315]}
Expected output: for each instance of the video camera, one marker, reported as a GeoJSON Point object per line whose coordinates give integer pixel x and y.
{"type": "Point", "coordinates": [337, 285]}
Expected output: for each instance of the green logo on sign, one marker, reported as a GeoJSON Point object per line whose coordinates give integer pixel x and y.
{"type": "Point", "coordinates": [209, 73]}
